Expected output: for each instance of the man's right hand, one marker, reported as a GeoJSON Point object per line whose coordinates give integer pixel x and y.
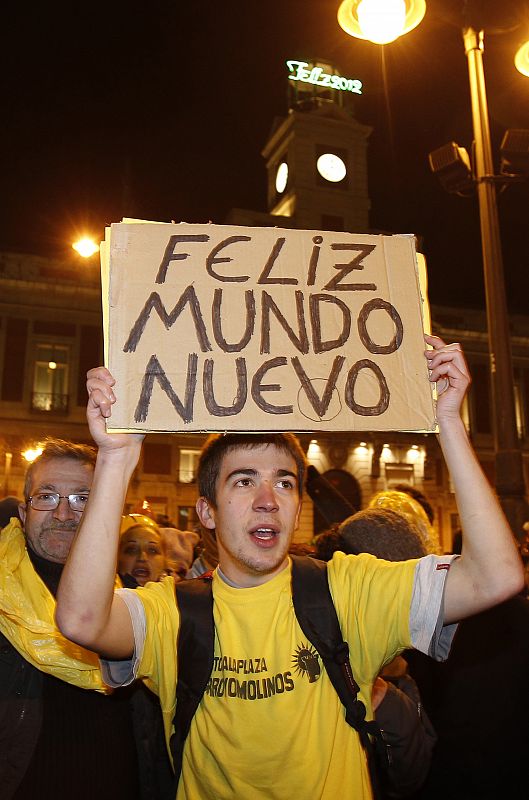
{"type": "Point", "coordinates": [101, 398]}
{"type": "Point", "coordinates": [88, 612]}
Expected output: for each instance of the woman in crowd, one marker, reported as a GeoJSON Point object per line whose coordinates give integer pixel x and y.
{"type": "Point", "coordinates": [141, 553]}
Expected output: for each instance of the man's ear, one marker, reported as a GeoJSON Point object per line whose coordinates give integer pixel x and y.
{"type": "Point", "coordinates": [206, 513]}
{"type": "Point", "coordinates": [298, 514]}
{"type": "Point", "coordinates": [22, 510]}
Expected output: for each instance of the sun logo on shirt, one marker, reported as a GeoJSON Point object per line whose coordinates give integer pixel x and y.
{"type": "Point", "coordinates": [306, 662]}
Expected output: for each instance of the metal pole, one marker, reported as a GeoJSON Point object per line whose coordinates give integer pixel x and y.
{"type": "Point", "coordinates": [508, 455]}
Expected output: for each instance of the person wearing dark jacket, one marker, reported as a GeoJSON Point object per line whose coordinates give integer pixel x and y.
{"type": "Point", "coordinates": [60, 735]}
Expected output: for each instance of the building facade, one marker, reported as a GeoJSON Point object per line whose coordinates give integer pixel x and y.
{"type": "Point", "coordinates": [316, 163]}
{"type": "Point", "coordinates": [51, 333]}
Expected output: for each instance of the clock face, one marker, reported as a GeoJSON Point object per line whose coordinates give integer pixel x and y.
{"type": "Point", "coordinates": [331, 167]}
{"type": "Point", "coordinates": [281, 177]}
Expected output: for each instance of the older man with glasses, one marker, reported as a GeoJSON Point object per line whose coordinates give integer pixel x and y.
{"type": "Point", "coordinates": [56, 739]}
{"type": "Point", "coordinates": [56, 490]}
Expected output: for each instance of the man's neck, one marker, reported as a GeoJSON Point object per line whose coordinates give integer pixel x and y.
{"type": "Point", "coordinates": [235, 585]}
{"type": "Point", "coordinates": [48, 571]}
{"type": "Point", "coordinates": [227, 580]}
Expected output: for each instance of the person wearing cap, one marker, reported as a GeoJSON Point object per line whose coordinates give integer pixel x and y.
{"type": "Point", "coordinates": [270, 723]}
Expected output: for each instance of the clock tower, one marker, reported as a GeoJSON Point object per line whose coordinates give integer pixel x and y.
{"type": "Point", "coordinates": [316, 157]}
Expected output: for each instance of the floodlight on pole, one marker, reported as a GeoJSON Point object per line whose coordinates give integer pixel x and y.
{"type": "Point", "coordinates": [380, 21]}
{"type": "Point", "coordinates": [451, 164]}
{"type": "Point", "coordinates": [514, 151]}
{"type": "Point", "coordinates": [86, 247]}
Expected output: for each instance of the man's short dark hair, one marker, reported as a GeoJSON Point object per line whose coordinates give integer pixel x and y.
{"type": "Point", "coordinates": [383, 533]}
{"type": "Point", "coordinates": [327, 543]}
{"type": "Point", "coordinates": [219, 444]}
{"type": "Point", "coordinates": [59, 448]}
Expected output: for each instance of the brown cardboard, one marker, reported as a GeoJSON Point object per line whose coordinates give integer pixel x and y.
{"type": "Point", "coordinates": [216, 327]}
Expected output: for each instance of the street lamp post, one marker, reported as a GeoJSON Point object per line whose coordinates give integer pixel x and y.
{"type": "Point", "coordinates": [509, 479]}
{"type": "Point", "coordinates": [508, 457]}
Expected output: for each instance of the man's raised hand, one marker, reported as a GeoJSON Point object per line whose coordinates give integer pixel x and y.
{"type": "Point", "coordinates": [101, 398]}
{"type": "Point", "coordinates": [449, 370]}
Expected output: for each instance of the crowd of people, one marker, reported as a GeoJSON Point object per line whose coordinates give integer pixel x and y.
{"type": "Point", "coordinates": [97, 650]}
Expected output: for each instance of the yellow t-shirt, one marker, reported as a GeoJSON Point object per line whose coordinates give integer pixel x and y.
{"type": "Point", "coordinates": [270, 724]}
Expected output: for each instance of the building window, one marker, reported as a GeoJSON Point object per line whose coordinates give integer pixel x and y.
{"type": "Point", "coordinates": [50, 378]}
{"type": "Point", "coordinates": [187, 469]}
{"type": "Point", "coordinates": [158, 507]}
{"type": "Point", "coordinates": [480, 399]}
{"type": "Point", "coordinates": [187, 518]}
{"type": "Point", "coordinates": [521, 399]}
{"type": "Point", "coordinates": [330, 222]}
{"type": "Point", "coordinates": [399, 473]}
{"type": "Point", "coordinates": [157, 458]}
{"type": "Point", "coordinates": [518, 405]}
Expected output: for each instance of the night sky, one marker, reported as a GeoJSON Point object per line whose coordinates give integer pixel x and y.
{"type": "Point", "coordinates": [159, 110]}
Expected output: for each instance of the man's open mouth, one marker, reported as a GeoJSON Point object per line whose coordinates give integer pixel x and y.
{"type": "Point", "coordinates": [264, 535]}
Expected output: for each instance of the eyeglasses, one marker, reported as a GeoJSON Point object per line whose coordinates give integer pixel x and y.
{"type": "Point", "coordinates": [48, 501]}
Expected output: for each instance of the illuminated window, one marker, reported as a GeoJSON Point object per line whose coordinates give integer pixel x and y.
{"type": "Point", "coordinates": [50, 378]}
{"type": "Point", "coordinates": [518, 405]}
{"type": "Point", "coordinates": [187, 468]}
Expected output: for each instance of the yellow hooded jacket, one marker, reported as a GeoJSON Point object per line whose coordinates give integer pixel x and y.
{"type": "Point", "coordinates": [27, 618]}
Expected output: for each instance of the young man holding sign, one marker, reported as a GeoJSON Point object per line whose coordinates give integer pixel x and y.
{"type": "Point", "coordinates": [270, 724]}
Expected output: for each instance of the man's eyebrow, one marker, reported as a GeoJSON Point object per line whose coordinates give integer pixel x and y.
{"type": "Point", "coordinates": [286, 472]}
{"type": "Point", "coordinates": [241, 471]}
{"type": "Point", "coordinates": [50, 487]}
{"type": "Point", "coordinates": [280, 473]}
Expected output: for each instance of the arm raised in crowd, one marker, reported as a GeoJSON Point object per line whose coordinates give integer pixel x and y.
{"type": "Point", "coordinates": [489, 570]}
{"type": "Point", "coordinates": [88, 611]}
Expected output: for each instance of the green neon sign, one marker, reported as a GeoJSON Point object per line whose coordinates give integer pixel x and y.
{"type": "Point", "coordinates": [302, 71]}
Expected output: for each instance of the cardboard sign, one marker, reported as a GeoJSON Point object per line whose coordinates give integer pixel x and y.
{"type": "Point", "coordinates": [212, 327]}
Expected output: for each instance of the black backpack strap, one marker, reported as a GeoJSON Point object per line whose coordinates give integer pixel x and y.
{"type": "Point", "coordinates": [316, 614]}
{"type": "Point", "coordinates": [195, 647]}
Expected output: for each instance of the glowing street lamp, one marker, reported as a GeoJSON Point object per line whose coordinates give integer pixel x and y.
{"type": "Point", "coordinates": [86, 247]}
{"type": "Point", "coordinates": [510, 484]}
{"type": "Point", "coordinates": [521, 59]}
{"type": "Point", "coordinates": [380, 21]}
{"type": "Point", "coordinates": [32, 453]}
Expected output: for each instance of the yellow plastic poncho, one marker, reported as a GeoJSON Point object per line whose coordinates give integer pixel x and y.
{"type": "Point", "coordinates": [27, 618]}
{"type": "Point", "coordinates": [403, 504]}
